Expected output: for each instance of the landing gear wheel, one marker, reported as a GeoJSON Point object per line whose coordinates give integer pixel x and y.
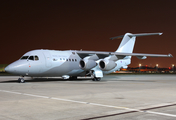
{"type": "Point", "coordinates": [96, 79]}
{"type": "Point", "coordinates": [73, 78]}
{"type": "Point", "coordinates": [21, 80]}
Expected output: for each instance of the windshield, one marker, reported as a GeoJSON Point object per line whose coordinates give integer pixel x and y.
{"type": "Point", "coordinates": [31, 58]}
{"type": "Point", "coordinates": [24, 57]}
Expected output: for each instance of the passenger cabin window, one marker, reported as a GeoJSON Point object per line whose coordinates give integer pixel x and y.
{"type": "Point", "coordinates": [24, 57]}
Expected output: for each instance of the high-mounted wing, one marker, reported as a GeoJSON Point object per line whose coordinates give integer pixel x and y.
{"type": "Point", "coordinates": [119, 55]}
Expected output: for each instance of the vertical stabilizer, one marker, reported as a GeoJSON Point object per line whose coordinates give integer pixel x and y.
{"type": "Point", "coordinates": [128, 41]}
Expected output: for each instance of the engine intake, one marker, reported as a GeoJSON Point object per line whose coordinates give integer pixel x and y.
{"type": "Point", "coordinates": [87, 64]}
{"type": "Point", "coordinates": [106, 65]}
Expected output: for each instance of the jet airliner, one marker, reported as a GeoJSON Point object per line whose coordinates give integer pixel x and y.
{"type": "Point", "coordinates": [70, 64]}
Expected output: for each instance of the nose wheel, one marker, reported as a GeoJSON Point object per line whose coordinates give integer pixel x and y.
{"type": "Point", "coordinates": [21, 80]}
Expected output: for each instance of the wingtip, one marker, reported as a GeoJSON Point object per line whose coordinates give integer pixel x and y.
{"type": "Point", "coordinates": [160, 33]}
{"type": "Point", "coordinates": [170, 55]}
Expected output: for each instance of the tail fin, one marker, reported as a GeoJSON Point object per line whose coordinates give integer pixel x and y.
{"type": "Point", "coordinates": [128, 41]}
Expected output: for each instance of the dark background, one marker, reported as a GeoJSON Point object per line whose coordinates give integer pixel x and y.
{"type": "Point", "coordinates": [87, 24]}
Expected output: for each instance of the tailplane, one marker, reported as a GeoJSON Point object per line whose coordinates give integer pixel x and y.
{"type": "Point", "coordinates": [128, 41]}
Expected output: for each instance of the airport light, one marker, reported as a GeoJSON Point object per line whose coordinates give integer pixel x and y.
{"type": "Point", "coordinates": [139, 67]}
{"type": "Point", "coordinates": [156, 67]}
{"type": "Point", "coordinates": [173, 67]}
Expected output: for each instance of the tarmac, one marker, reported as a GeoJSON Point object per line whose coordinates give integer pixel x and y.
{"type": "Point", "coordinates": [115, 97]}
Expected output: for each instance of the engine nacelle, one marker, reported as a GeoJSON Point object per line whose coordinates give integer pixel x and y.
{"type": "Point", "coordinates": [87, 64]}
{"type": "Point", "coordinates": [107, 65]}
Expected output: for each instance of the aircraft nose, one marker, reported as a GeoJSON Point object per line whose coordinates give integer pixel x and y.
{"type": "Point", "coordinates": [9, 69]}
{"type": "Point", "coordinates": [12, 68]}
{"type": "Point", "coordinates": [18, 67]}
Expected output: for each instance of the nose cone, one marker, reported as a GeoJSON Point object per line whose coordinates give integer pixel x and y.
{"type": "Point", "coordinates": [7, 69]}
{"type": "Point", "coordinates": [10, 68]}
{"type": "Point", "coordinates": [17, 67]}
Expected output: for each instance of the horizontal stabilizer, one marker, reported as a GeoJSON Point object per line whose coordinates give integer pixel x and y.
{"type": "Point", "coordinates": [136, 35]}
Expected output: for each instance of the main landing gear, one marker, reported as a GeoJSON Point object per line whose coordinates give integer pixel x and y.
{"type": "Point", "coordinates": [73, 78]}
{"type": "Point", "coordinates": [93, 76]}
{"type": "Point", "coordinates": [96, 79]}
{"type": "Point", "coordinates": [21, 80]}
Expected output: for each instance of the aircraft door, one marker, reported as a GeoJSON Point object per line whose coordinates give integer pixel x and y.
{"type": "Point", "coordinates": [34, 64]}
{"type": "Point", "coordinates": [48, 62]}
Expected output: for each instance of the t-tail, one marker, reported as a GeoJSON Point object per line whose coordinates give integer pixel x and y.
{"type": "Point", "coordinates": [128, 41]}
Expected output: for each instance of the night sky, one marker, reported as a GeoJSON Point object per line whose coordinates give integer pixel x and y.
{"type": "Point", "coordinates": [87, 24]}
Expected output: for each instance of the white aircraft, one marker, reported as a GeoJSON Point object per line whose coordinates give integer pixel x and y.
{"type": "Point", "coordinates": [70, 64]}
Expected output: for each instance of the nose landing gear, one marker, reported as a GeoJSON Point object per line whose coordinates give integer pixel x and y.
{"type": "Point", "coordinates": [21, 80]}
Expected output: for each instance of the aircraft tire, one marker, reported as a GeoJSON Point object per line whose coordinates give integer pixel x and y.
{"type": "Point", "coordinates": [73, 78]}
{"type": "Point", "coordinates": [96, 79]}
{"type": "Point", "coordinates": [21, 80]}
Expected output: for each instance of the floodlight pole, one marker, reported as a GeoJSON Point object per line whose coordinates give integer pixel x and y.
{"type": "Point", "coordinates": [173, 68]}
{"type": "Point", "coordinates": [157, 68]}
{"type": "Point", "coordinates": [139, 68]}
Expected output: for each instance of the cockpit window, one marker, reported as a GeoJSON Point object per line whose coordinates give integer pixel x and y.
{"type": "Point", "coordinates": [31, 58]}
{"type": "Point", "coordinates": [24, 57]}
{"type": "Point", "coordinates": [36, 58]}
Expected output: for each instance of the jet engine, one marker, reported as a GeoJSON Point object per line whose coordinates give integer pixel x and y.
{"type": "Point", "coordinates": [106, 65]}
{"type": "Point", "coordinates": [87, 64]}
